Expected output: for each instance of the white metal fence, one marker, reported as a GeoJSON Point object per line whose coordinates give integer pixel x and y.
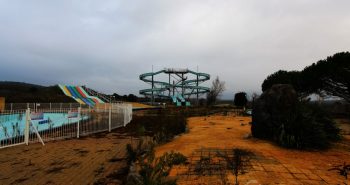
{"type": "Point", "coordinates": [26, 126]}
{"type": "Point", "coordinates": [34, 106]}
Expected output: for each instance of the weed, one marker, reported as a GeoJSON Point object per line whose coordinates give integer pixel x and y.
{"type": "Point", "coordinates": [343, 170]}
{"type": "Point", "coordinates": [237, 161]}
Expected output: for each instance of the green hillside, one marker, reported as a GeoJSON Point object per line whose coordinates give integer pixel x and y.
{"type": "Point", "coordinates": [19, 92]}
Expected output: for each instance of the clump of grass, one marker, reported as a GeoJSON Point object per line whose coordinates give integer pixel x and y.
{"type": "Point", "coordinates": [343, 170]}
{"type": "Point", "coordinates": [99, 170]}
{"type": "Point", "coordinates": [156, 170]}
{"type": "Point", "coordinates": [238, 162]}
{"type": "Point", "coordinates": [56, 169]}
{"type": "Point", "coordinates": [116, 159]}
{"type": "Point", "coordinates": [163, 127]}
{"type": "Point", "coordinates": [134, 153]}
{"type": "Point", "coordinates": [152, 170]}
{"type": "Point", "coordinates": [81, 152]}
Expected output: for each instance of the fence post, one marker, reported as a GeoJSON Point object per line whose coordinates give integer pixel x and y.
{"type": "Point", "coordinates": [26, 131]}
{"type": "Point", "coordinates": [124, 112]}
{"type": "Point", "coordinates": [60, 107]}
{"type": "Point", "coordinates": [130, 113]}
{"type": "Point", "coordinates": [79, 111]}
{"type": "Point", "coordinates": [11, 108]}
{"type": "Point", "coordinates": [110, 118]}
{"type": "Point", "coordinates": [50, 106]}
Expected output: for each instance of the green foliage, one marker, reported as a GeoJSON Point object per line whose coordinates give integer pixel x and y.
{"type": "Point", "coordinates": [326, 77]}
{"type": "Point", "coordinates": [129, 98]}
{"type": "Point", "coordinates": [240, 99]}
{"type": "Point", "coordinates": [162, 127]}
{"type": "Point", "coordinates": [307, 127]}
{"type": "Point", "coordinates": [131, 154]}
{"type": "Point", "coordinates": [141, 130]}
{"type": "Point", "coordinates": [154, 171]}
{"type": "Point", "coordinates": [238, 162]}
{"type": "Point", "coordinates": [142, 148]}
{"type": "Point", "coordinates": [343, 170]}
{"type": "Point", "coordinates": [172, 126]}
{"type": "Point", "coordinates": [202, 167]}
{"type": "Point", "coordinates": [303, 125]}
{"type": "Point", "coordinates": [283, 77]}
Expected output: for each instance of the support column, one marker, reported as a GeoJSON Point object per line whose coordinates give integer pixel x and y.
{"type": "Point", "coordinates": [26, 130]}
{"type": "Point", "coordinates": [110, 118]}
{"type": "Point", "coordinates": [152, 99]}
{"type": "Point", "coordinates": [169, 85]}
{"type": "Point", "coordinates": [124, 114]}
{"type": "Point", "coordinates": [197, 90]}
{"type": "Point", "coordinates": [173, 87]}
{"type": "Point", "coordinates": [78, 124]}
{"type": "Point", "coordinates": [182, 85]}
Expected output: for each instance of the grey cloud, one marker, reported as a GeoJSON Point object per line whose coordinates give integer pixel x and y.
{"type": "Point", "coordinates": [107, 44]}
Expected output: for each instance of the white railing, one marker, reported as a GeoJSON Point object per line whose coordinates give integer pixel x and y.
{"type": "Point", "coordinates": [41, 125]}
{"type": "Point", "coordinates": [34, 106]}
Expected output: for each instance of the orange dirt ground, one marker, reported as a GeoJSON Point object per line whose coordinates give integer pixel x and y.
{"type": "Point", "coordinates": [275, 165]}
{"type": "Point", "coordinates": [139, 105]}
{"type": "Point", "coordinates": [73, 161]}
{"type": "Point", "coordinates": [85, 160]}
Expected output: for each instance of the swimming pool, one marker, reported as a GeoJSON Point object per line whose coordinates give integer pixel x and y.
{"type": "Point", "coordinates": [13, 125]}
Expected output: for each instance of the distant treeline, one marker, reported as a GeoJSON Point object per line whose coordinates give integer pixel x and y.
{"type": "Point", "coordinates": [134, 98]}
{"type": "Point", "coordinates": [19, 92]}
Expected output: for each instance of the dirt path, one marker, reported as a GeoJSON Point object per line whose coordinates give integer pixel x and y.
{"type": "Point", "coordinates": [274, 165]}
{"type": "Point", "coordinates": [74, 161]}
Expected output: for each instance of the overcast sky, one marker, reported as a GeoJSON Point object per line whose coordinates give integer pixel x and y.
{"type": "Point", "coordinates": [107, 44]}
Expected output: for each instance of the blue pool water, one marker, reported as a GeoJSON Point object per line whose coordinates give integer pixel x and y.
{"type": "Point", "coordinates": [13, 125]}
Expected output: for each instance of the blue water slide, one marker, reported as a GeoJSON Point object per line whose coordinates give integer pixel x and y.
{"type": "Point", "coordinates": [174, 99]}
{"type": "Point", "coordinates": [181, 98]}
{"type": "Point", "coordinates": [178, 104]}
{"type": "Point", "coordinates": [74, 94]}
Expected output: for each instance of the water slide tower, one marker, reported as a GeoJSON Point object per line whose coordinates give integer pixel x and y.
{"type": "Point", "coordinates": [179, 85]}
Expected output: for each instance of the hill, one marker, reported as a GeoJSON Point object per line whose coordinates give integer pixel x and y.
{"type": "Point", "coordinates": [19, 92]}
